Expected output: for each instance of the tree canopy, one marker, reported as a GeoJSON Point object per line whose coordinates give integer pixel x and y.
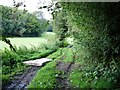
{"type": "Point", "coordinates": [19, 23]}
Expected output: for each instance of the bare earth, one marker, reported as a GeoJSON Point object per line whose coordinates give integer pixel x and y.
{"type": "Point", "coordinates": [21, 81]}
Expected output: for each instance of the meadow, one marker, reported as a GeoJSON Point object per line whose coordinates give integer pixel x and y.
{"type": "Point", "coordinates": [28, 42]}
{"type": "Point", "coordinates": [23, 41]}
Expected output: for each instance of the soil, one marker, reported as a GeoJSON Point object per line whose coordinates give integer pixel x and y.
{"type": "Point", "coordinates": [22, 81]}
{"type": "Point", "coordinates": [62, 79]}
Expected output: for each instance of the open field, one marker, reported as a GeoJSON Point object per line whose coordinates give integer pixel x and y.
{"type": "Point", "coordinates": [24, 41]}
{"type": "Point", "coordinates": [27, 41]}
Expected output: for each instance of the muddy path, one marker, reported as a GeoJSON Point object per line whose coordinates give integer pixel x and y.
{"type": "Point", "coordinates": [21, 81]}
{"type": "Point", "coordinates": [65, 69]}
{"type": "Point", "coordinates": [62, 79]}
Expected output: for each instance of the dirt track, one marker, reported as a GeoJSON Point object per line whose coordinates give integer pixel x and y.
{"type": "Point", "coordinates": [62, 79]}
{"type": "Point", "coordinates": [21, 81]}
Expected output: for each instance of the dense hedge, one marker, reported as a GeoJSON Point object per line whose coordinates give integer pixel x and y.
{"type": "Point", "coordinates": [96, 32]}
{"type": "Point", "coordinates": [95, 27]}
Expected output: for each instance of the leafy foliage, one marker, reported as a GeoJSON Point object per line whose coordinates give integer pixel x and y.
{"type": "Point", "coordinates": [18, 23]}
{"type": "Point", "coordinates": [92, 27]}
{"type": "Point", "coordinates": [60, 24]}
{"type": "Point", "coordinates": [95, 27]}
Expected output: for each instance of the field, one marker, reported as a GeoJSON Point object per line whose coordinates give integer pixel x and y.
{"type": "Point", "coordinates": [27, 41]}
{"type": "Point", "coordinates": [24, 41]}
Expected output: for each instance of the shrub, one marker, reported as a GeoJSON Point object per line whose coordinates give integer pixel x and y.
{"type": "Point", "coordinates": [10, 58]}
{"type": "Point", "coordinates": [62, 43]}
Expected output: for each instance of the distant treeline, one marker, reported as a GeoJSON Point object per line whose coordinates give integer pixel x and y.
{"type": "Point", "coordinates": [20, 23]}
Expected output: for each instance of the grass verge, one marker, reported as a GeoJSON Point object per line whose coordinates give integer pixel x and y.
{"type": "Point", "coordinates": [46, 76]}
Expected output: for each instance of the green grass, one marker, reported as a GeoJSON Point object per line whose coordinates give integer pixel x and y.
{"type": "Point", "coordinates": [46, 76]}
{"type": "Point", "coordinates": [55, 55]}
{"type": "Point", "coordinates": [69, 40]}
{"type": "Point", "coordinates": [68, 55]}
{"type": "Point", "coordinates": [24, 41]}
{"type": "Point", "coordinates": [30, 42]}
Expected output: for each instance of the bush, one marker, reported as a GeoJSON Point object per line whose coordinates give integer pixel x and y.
{"type": "Point", "coordinates": [5, 79]}
{"type": "Point", "coordinates": [62, 43]}
{"type": "Point", "coordinates": [96, 32]}
{"type": "Point", "coordinates": [10, 58]}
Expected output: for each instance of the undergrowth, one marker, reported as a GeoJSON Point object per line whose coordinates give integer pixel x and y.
{"type": "Point", "coordinates": [12, 61]}
{"type": "Point", "coordinates": [94, 75]}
